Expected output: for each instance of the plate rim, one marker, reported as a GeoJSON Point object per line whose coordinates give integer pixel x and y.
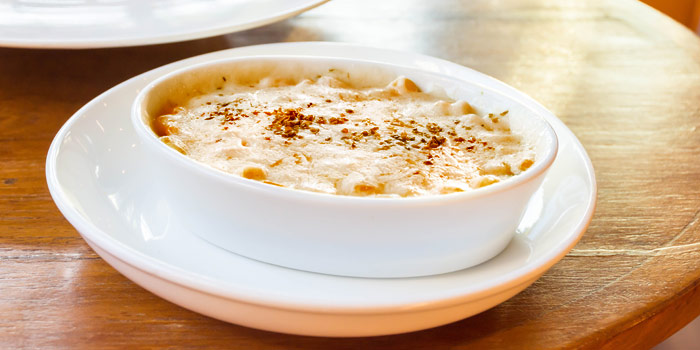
{"type": "Point", "coordinates": [187, 279]}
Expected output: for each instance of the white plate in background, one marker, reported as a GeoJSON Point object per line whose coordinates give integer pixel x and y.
{"type": "Point", "coordinates": [96, 175]}
{"type": "Point", "coordinates": [114, 23]}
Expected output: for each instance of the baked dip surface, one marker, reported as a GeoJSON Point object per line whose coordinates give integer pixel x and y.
{"type": "Point", "coordinates": [326, 135]}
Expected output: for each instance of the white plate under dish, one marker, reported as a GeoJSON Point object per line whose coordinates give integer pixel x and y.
{"type": "Point", "coordinates": [93, 24]}
{"type": "Point", "coordinates": [96, 175]}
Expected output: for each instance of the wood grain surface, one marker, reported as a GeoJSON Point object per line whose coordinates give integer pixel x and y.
{"type": "Point", "coordinates": [623, 77]}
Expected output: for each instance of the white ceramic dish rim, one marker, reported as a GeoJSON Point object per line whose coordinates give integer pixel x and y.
{"type": "Point", "coordinates": [193, 281]}
{"type": "Point", "coordinates": [160, 39]}
{"type": "Point", "coordinates": [146, 134]}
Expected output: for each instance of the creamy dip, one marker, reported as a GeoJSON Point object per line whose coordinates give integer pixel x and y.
{"type": "Point", "coordinates": [326, 135]}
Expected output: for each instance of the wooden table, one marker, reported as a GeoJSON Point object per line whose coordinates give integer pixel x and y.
{"type": "Point", "coordinates": [622, 76]}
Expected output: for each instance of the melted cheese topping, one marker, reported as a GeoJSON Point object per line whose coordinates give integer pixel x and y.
{"type": "Point", "coordinates": [323, 135]}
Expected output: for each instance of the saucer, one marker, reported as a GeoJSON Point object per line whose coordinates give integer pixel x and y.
{"type": "Point", "coordinates": [93, 24]}
{"type": "Point", "coordinates": [98, 177]}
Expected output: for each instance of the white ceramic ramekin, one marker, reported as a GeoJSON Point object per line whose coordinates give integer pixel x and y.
{"type": "Point", "coordinates": [333, 234]}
